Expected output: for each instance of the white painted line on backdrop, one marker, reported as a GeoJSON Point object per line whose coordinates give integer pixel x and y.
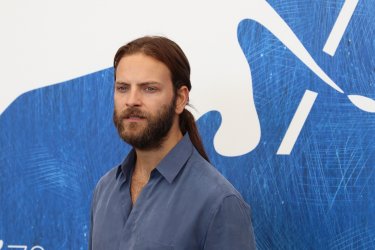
{"type": "Point", "coordinates": [297, 123]}
{"type": "Point", "coordinates": [340, 26]}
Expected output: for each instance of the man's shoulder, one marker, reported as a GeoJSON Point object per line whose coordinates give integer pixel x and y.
{"type": "Point", "coordinates": [107, 179]}
{"type": "Point", "coordinates": [209, 178]}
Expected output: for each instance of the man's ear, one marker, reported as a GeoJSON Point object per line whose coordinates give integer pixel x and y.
{"type": "Point", "coordinates": [182, 99]}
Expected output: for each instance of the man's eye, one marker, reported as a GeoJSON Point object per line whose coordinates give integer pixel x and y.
{"type": "Point", "coordinates": [121, 88]}
{"type": "Point", "coordinates": [150, 89]}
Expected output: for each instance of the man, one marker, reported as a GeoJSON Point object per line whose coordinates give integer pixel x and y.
{"type": "Point", "coordinates": [165, 194]}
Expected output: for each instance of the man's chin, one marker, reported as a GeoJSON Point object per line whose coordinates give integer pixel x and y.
{"type": "Point", "coordinates": [134, 125]}
{"type": "Point", "coordinates": [138, 143]}
{"type": "Point", "coordinates": [132, 134]}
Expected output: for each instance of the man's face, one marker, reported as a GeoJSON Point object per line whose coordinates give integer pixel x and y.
{"type": "Point", "coordinates": [144, 101]}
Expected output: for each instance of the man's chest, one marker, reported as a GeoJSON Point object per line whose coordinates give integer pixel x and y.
{"type": "Point", "coordinates": [138, 182]}
{"type": "Point", "coordinates": [160, 217]}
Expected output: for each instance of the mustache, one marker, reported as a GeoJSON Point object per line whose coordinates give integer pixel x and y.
{"type": "Point", "coordinates": [132, 112]}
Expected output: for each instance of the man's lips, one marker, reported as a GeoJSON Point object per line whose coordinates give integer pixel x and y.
{"type": "Point", "coordinates": [134, 118]}
{"type": "Point", "coordinates": [133, 115]}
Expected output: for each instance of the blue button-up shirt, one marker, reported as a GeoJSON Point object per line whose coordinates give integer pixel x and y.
{"type": "Point", "coordinates": [187, 204]}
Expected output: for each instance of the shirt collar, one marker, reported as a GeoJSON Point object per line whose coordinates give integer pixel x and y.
{"type": "Point", "coordinates": [168, 167]}
{"type": "Point", "coordinates": [173, 162]}
{"type": "Point", "coordinates": [127, 165]}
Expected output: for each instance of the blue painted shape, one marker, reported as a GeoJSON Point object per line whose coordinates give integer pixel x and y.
{"type": "Point", "coordinates": [321, 196]}
{"type": "Point", "coordinates": [56, 142]}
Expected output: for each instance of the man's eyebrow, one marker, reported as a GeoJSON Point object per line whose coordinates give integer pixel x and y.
{"type": "Point", "coordinates": [121, 83]}
{"type": "Point", "coordinates": [141, 83]}
{"type": "Point", "coordinates": [149, 83]}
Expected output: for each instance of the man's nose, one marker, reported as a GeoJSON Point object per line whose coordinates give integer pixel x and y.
{"type": "Point", "coordinates": [133, 98]}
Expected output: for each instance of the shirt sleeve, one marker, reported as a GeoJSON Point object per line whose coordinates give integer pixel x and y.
{"type": "Point", "coordinates": [231, 227]}
{"type": "Point", "coordinates": [93, 203]}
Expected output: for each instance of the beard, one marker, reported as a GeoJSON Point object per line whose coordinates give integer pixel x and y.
{"type": "Point", "coordinates": [150, 136]}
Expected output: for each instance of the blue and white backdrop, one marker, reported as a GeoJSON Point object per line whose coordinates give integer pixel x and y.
{"type": "Point", "coordinates": [284, 95]}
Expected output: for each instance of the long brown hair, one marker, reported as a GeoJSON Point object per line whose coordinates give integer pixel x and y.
{"type": "Point", "coordinates": [169, 53]}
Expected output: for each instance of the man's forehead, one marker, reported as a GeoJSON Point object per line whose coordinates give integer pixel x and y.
{"type": "Point", "coordinates": [142, 59]}
{"type": "Point", "coordinates": [140, 68]}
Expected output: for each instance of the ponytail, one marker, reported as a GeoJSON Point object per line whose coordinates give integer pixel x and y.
{"type": "Point", "coordinates": [187, 124]}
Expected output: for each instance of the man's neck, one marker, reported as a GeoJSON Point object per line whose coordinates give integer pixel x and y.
{"type": "Point", "coordinates": [147, 160]}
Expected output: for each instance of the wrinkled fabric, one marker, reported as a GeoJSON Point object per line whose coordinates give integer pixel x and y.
{"type": "Point", "coordinates": [187, 204]}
